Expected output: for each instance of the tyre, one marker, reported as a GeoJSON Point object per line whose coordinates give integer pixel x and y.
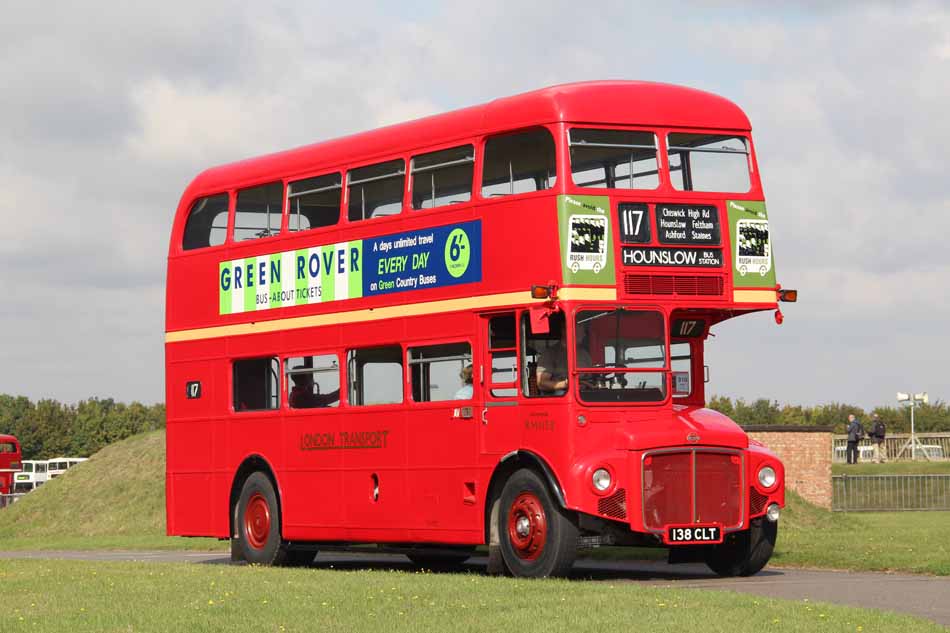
{"type": "Point", "coordinates": [747, 552]}
{"type": "Point", "coordinates": [441, 560]}
{"type": "Point", "coordinates": [258, 524]}
{"type": "Point", "coordinates": [537, 537]}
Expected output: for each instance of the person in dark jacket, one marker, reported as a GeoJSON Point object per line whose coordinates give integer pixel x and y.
{"type": "Point", "coordinates": [855, 435]}
{"type": "Point", "coordinates": [878, 431]}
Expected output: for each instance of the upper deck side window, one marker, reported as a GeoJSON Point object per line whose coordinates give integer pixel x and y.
{"type": "Point", "coordinates": [376, 190]}
{"type": "Point", "coordinates": [207, 223]}
{"type": "Point", "coordinates": [519, 163]}
{"type": "Point", "coordinates": [613, 159]}
{"type": "Point", "coordinates": [258, 211]}
{"type": "Point", "coordinates": [315, 202]}
{"type": "Point", "coordinates": [709, 162]}
{"type": "Point", "coordinates": [443, 177]}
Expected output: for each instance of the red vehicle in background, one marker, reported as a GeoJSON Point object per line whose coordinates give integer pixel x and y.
{"type": "Point", "coordinates": [482, 327]}
{"type": "Point", "coordinates": [10, 463]}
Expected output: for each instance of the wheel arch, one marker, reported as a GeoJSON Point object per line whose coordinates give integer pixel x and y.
{"type": "Point", "coordinates": [510, 463]}
{"type": "Point", "coordinates": [251, 464]}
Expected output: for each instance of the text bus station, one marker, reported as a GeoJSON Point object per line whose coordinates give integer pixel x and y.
{"type": "Point", "coordinates": [481, 327]}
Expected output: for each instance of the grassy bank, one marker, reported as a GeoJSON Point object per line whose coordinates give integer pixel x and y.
{"type": "Point", "coordinates": [79, 597]}
{"type": "Point", "coordinates": [114, 500]}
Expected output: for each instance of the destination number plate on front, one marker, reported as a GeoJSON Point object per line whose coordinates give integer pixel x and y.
{"type": "Point", "coordinates": [694, 534]}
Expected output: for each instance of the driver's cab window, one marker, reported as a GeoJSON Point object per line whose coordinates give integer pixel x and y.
{"type": "Point", "coordinates": [545, 358]}
{"type": "Point", "coordinates": [621, 355]}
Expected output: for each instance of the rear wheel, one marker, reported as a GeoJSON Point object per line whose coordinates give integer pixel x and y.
{"type": "Point", "coordinates": [537, 537]}
{"type": "Point", "coordinates": [258, 525]}
{"type": "Point", "coordinates": [747, 552]}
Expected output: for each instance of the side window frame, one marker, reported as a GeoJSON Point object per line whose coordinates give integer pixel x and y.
{"type": "Point", "coordinates": [289, 195]}
{"type": "Point", "coordinates": [235, 404]}
{"type": "Point", "coordinates": [424, 363]}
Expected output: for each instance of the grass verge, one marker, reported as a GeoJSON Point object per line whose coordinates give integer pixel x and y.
{"type": "Point", "coordinates": [80, 596]}
{"type": "Point", "coordinates": [892, 468]}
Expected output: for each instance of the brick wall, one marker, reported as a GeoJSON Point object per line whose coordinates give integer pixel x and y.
{"type": "Point", "coordinates": [806, 453]}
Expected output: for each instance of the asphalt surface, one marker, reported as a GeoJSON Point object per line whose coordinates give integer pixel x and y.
{"type": "Point", "coordinates": [924, 596]}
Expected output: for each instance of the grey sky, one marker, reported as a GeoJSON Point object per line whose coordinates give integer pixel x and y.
{"type": "Point", "coordinates": [108, 112]}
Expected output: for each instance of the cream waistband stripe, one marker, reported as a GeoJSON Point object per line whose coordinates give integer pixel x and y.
{"type": "Point", "coordinates": [387, 312]}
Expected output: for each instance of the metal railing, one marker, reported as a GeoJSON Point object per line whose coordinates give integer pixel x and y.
{"type": "Point", "coordinates": [890, 493]}
{"type": "Point", "coordinates": [930, 447]}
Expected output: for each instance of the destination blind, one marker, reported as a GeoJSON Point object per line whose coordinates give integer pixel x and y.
{"type": "Point", "coordinates": [695, 225]}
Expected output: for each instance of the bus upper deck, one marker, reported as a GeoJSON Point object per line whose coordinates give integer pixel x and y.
{"type": "Point", "coordinates": [621, 191]}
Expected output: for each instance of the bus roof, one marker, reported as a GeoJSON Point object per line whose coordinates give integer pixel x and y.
{"type": "Point", "coordinates": [595, 102]}
{"type": "Point", "coordinates": [8, 438]}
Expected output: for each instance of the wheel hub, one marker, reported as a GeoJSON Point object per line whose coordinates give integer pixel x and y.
{"type": "Point", "coordinates": [257, 521]}
{"type": "Point", "coordinates": [527, 526]}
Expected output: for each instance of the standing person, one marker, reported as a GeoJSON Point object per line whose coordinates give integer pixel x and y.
{"type": "Point", "coordinates": [878, 431]}
{"type": "Point", "coordinates": [855, 435]}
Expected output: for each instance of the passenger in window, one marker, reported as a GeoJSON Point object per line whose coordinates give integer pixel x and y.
{"type": "Point", "coordinates": [465, 391]}
{"type": "Point", "coordinates": [552, 368]}
{"type": "Point", "coordinates": [302, 394]}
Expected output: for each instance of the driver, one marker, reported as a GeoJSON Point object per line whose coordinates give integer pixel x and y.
{"type": "Point", "coordinates": [303, 397]}
{"type": "Point", "coordinates": [552, 365]}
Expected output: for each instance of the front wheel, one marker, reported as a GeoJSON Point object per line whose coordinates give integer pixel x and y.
{"type": "Point", "coordinates": [537, 537]}
{"type": "Point", "coordinates": [747, 552]}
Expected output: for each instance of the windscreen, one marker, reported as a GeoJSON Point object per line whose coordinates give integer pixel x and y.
{"type": "Point", "coordinates": [621, 355]}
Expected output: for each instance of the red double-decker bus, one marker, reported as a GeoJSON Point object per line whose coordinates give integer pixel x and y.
{"type": "Point", "coordinates": [481, 327]}
{"type": "Point", "coordinates": [10, 463]}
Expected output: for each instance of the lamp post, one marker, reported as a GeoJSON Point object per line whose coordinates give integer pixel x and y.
{"type": "Point", "coordinates": [914, 400]}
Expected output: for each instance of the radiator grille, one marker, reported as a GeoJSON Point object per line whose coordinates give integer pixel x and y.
{"type": "Point", "coordinates": [756, 501]}
{"type": "Point", "coordinates": [614, 506]}
{"type": "Point", "coordinates": [691, 285]}
{"type": "Point", "coordinates": [692, 486]}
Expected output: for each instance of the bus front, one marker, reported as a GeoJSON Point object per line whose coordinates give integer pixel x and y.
{"type": "Point", "coordinates": [674, 221]}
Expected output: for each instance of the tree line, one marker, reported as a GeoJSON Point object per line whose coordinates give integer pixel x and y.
{"type": "Point", "coordinates": [48, 428]}
{"type": "Point", "coordinates": [928, 418]}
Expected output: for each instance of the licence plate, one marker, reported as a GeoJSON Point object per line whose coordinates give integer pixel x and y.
{"type": "Point", "coordinates": [694, 534]}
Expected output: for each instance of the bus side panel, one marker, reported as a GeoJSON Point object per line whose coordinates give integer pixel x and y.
{"type": "Point", "coordinates": [312, 476]}
{"type": "Point", "coordinates": [192, 437]}
{"type": "Point", "coordinates": [375, 496]}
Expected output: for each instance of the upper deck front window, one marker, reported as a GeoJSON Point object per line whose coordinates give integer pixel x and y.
{"type": "Point", "coordinates": [709, 162]}
{"type": "Point", "coordinates": [614, 159]}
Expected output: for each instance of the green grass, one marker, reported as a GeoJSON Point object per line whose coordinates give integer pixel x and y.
{"type": "Point", "coordinates": [92, 507]}
{"type": "Point", "coordinates": [892, 468]}
{"type": "Point", "coordinates": [887, 541]}
{"type": "Point", "coordinates": [78, 597]}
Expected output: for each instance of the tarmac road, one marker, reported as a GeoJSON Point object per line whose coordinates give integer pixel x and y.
{"type": "Point", "coordinates": [924, 596]}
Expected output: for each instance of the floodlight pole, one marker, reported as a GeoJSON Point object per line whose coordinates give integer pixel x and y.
{"type": "Point", "coordinates": [913, 437]}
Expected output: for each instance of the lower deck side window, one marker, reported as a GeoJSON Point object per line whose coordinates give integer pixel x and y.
{"type": "Point", "coordinates": [256, 384]}
{"type": "Point", "coordinates": [441, 372]}
{"type": "Point", "coordinates": [375, 375]}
